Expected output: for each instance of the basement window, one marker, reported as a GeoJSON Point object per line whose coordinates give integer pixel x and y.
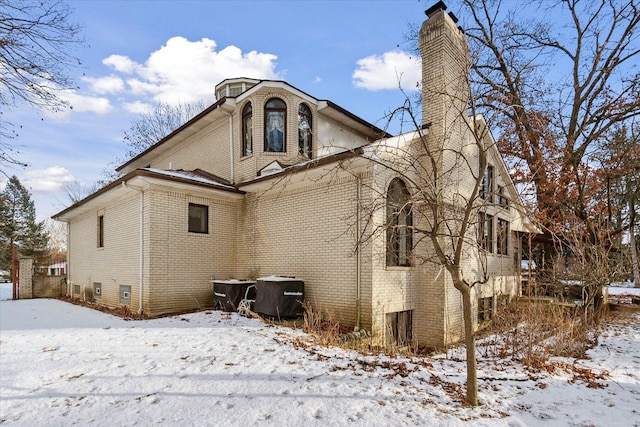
{"type": "Point", "coordinates": [399, 331]}
{"type": "Point", "coordinates": [485, 309]}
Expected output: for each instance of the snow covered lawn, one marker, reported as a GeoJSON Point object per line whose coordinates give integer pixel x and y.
{"type": "Point", "coordinates": [62, 364]}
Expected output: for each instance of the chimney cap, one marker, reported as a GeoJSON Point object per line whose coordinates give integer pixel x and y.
{"type": "Point", "coordinates": [435, 8]}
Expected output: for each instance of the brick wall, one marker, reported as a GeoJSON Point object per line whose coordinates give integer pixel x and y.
{"type": "Point", "coordinates": [114, 264]}
{"type": "Point", "coordinates": [306, 232]}
{"type": "Point", "coordinates": [181, 264]}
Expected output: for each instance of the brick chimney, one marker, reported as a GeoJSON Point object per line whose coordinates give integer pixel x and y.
{"type": "Point", "coordinates": [445, 70]}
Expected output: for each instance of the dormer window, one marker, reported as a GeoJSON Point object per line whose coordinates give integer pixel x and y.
{"type": "Point", "coordinates": [304, 130]}
{"type": "Point", "coordinates": [275, 120]}
{"type": "Point", "coordinates": [247, 130]}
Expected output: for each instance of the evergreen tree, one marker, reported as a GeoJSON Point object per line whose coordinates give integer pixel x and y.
{"type": "Point", "coordinates": [18, 224]}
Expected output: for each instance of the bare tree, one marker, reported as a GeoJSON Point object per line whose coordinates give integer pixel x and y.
{"type": "Point", "coordinates": [443, 197]}
{"type": "Point", "coordinates": [57, 231]}
{"type": "Point", "coordinates": [619, 176]}
{"type": "Point", "coordinates": [146, 129]}
{"type": "Point", "coordinates": [550, 126]}
{"type": "Point", "coordinates": [36, 43]}
{"type": "Point", "coordinates": [76, 191]}
{"type": "Point", "coordinates": [162, 119]}
{"type": "Point", "coordinates": [428, 203]}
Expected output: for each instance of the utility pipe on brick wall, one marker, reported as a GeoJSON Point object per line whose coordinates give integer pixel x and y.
{"type": "Point", "coordinates": [231, 146]}
{"type": "Point", "coordinates": [141, 235]}
{"type": "Point", "coordinates": [358, 265]}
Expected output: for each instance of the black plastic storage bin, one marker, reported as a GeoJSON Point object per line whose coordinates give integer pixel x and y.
{"type": "Point", "coordinates": [227, 294]}
{"type": "Point", "coordinates": [279, 297]}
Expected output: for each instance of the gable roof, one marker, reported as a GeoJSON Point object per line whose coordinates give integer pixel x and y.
{"type": "Point", "coordinates": [226, 105]}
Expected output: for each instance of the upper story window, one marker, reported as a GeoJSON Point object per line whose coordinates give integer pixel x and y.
{"type": "Point", "coordinates": [502, 238]}
{"type": "Point", "coordinates": [487, 184]}
{"type": "Point", "coordinates": [198, 218]}
{"type": "Point", "coordinates": [485, 231]}
{"type": "Point", "coordinates": [275, 124]}
{"type": "Point", "coordinates": [399, 224]}
{"type": "Point", "coordinates": [304, 130]}
{"type": "Point", "coordinates": [503, 199]}
{"type": "Point", "coordinates": [247, 130]}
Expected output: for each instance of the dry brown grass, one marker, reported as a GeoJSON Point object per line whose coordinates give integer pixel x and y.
{"type": "Point", "coordinates": [534, 332]}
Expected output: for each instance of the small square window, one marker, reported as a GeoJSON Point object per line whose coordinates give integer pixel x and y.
{"type": "Point", "coordinates": [198, 218]}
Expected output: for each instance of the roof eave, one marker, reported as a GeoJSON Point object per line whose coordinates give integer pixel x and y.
{"type": "Point", "coordinates": [142, 173]}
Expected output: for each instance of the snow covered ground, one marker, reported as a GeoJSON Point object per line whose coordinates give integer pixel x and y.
{"type": "Point", "coordinates": [62, 364]}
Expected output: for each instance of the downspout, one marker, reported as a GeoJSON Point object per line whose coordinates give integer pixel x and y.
{"type": "Point", "coordinates": [231, 146]}
{"type": "Point", "coordinates": [68, 287]}
{"type": "Point", "coordinates": [358, 264]}
{"type": "Point", "coordinates": [141, 248]}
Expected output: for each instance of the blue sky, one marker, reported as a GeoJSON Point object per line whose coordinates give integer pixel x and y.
{"type": "Point", "coordinates": [138, 52]}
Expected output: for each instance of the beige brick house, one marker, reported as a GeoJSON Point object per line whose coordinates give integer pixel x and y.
{"type": "Point", "coordinates": [272, 181]}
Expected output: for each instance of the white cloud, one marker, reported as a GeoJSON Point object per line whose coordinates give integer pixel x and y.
{"type": "Point", "coordinates": [83, 104]}
{"type": "Point", "coordinates": [187, 71]}
{"type": "Point", "coordinates": [382, 72]}
{"type": "Point", "coordinates": [138, 107]}
{"type": "Point", "coordinates": [49, 180]}
{"type": "Point", "coordinates": [105, 85]}
{"type": "Point", "coordinates": [120, 63]}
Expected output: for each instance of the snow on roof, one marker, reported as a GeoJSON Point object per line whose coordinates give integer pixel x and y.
{"type": "Point", "coordinates": [190, 175]}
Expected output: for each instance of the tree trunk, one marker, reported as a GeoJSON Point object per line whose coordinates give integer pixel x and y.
{"type": "Point", "coordinates": [470, 343]}
{"type": "Point", "coordinates": [632, 245]}
{"type": "Point", "coordinates": [14, 270]}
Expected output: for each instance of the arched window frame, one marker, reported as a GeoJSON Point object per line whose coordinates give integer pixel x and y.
{"type": "Point", "coordinates": [399, 225]}
{"type": "Point", "coordinates": [305, 130]}
{"type": "Point", "coordinates": [247, 130]}
{"type": "Point", "coordinates": [275, 126]}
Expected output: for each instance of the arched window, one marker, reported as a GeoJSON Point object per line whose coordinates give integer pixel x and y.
{"type": "Point", "coordinates": [275, 123]}
{"type": "Point", "coordinates": [399, 224]}
{"type": "Point", "coordinates": [247, 130]}
{"type": "Point", "coordinates": [304, 130]}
